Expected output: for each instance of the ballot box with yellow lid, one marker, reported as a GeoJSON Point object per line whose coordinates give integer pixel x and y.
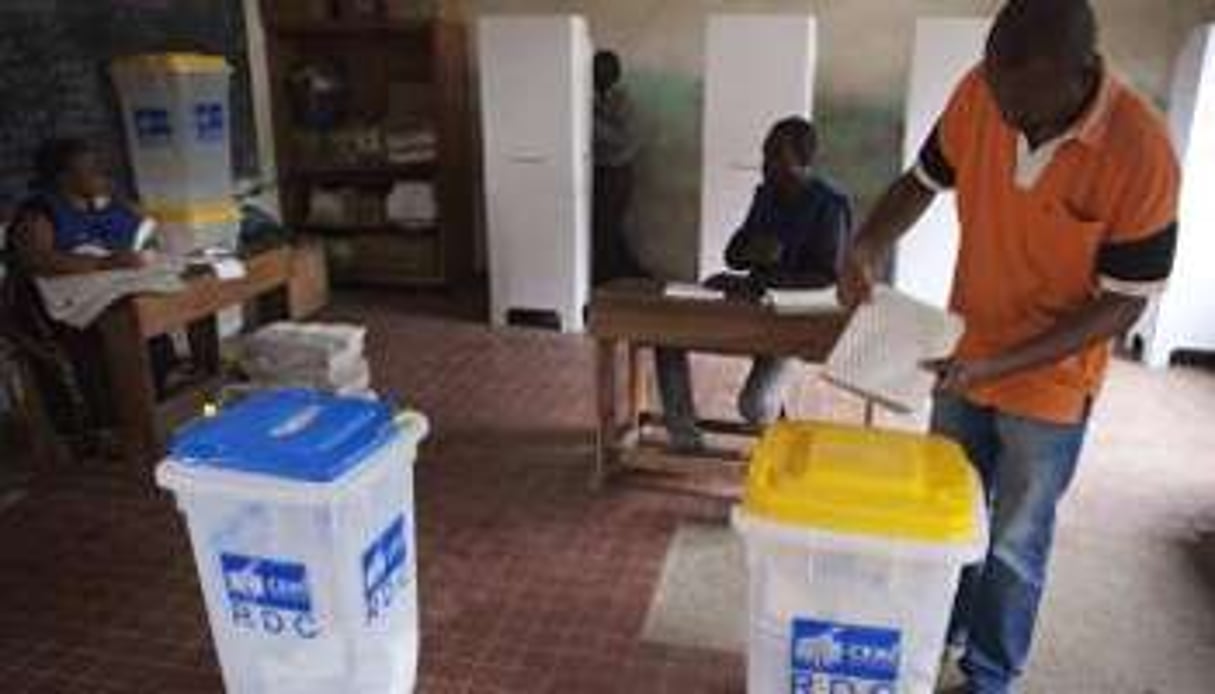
{"type": "Point", "coordinates": [855, 541]}
{"type": "Point", "coordinates": [176, 112]}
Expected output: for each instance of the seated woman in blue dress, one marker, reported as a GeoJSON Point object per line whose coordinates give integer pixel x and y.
{"type": "Point", "coordinates": [71, 223]}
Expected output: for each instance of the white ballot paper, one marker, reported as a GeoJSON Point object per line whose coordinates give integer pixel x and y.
{"type": "Point", "coordinates": [781, 301]}
{"type": "Point", "coordinates": [803, 301]}
{"type": "Point", "coordinates": [879, 355]}
{"type": "Point", "coordinates": [694, 292]}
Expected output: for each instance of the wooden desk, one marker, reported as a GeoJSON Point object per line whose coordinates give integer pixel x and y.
{"type": "Point", "coordinates": [634, 314]}
{"type": "Point", "coordinates": [127, 326]}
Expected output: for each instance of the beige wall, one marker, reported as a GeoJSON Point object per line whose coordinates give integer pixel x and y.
{"type": "Point", "coordinates": [864, 45]}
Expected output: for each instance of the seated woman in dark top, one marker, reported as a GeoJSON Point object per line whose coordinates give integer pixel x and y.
{"type": "Point", "coordinates": [793, 236]}
{"type": "Point", "coordinates": [69, 224]}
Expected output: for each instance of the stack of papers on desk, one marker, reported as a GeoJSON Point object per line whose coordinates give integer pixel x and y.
{"type": "Point", "coordinates": [881, 352]}
{"type": "Point", "coordinates": [691, 290]}
{"type": "Point", "coordinates": [803, 300]}
{"type": "Point", "coordinates": [222, 263]}
{"type": "Point", "coordinates": [78, 300]}
{"type": "Point", "coordinates": [785, 301]}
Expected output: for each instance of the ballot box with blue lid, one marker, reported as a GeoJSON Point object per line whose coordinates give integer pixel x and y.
{"type": "Point", "coordinates": [300, 512]}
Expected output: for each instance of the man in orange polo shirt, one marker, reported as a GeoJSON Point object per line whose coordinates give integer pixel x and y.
{"type": "Point", "coordinates": [1067, 193]}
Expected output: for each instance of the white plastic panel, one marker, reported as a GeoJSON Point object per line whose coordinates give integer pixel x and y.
{"type": "Point", "coordinates": [1184, 316]}
{"type": "Point", "coordinates": [758, 70]}
{"type": "Point", "coordinates": [945, 48]}
{"type": "Point", "coordinates": [536, 101]}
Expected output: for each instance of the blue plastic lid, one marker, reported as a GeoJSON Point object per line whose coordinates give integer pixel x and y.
{"type": "Point", "coordinates": [298, 435]}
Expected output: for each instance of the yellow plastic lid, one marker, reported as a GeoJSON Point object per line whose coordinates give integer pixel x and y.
{"type": "Point", "coordinates": [217, 212]}
{"type": "Point", "coordinates": [864, 481]}
{"type": "Point", "coordinates": [172, 62]}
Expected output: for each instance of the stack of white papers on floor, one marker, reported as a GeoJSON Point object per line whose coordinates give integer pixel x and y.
{"type": "Point", "coordinates": [325, 356]}
{"type": "Point", "coordinates": [881, 353]}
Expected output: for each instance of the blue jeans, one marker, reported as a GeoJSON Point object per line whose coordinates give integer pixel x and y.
{"type": "Point", "coordinates": [1026, 466]}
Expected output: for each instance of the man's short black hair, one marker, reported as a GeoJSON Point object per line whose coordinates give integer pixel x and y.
{"type": "Point", "coordinates": [55, 156]}
{"type": "Point", "coordinates": [608, 69]}
{"type": "Point", "coordinates": [1063, 31]}
{"type": "Point", "coordinates": [798, 134]}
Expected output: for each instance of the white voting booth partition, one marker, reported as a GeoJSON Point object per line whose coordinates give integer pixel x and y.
{"type": "Point", "coordinates": [536, 105]}
{"type": "Point", "coordinates": [758, 69]}
{"type": "Point", "coordinates": [1183, 317]}
{"type": "Point", "coordinates": [945, 48]}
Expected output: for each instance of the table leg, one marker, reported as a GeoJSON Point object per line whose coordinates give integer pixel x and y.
{"type": "Point", "coordinates": [134, 393]}
{"type": "Point", "coordinates": [605, 387]}
{"type": "Point", "coordinates": [274, 305]}
{"type": "Point", "coordinates": [639, 389]}
{"type": "Point", "coordinates": [203, 336]}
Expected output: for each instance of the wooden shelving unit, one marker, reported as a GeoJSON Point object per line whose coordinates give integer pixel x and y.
{"type": "Point", "coordinates": [359, 28]}
{"type": "Point", "coordinates": [326, 230]}
{"type": "Point", "coordinates": [401, 78]}
{"type": "Point", "coordinates": [370, 174]}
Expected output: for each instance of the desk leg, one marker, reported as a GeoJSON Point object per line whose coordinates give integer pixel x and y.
{"type": "Point", "coordinates": [605, 387]}
{"type": "Point", "coordinates": [134, 393]}
{"type": "Point", "coordinates": [639, 390]}
{"type": "Point", "coordinates": [204, 344]}
{"type": "Point", "coordinates": [273, 306]}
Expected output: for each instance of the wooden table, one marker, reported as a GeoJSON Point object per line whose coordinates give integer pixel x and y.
{"type": "Point", "coordinates": [270, 282]}
{"type": "Point", "coordinates": [633, 315]}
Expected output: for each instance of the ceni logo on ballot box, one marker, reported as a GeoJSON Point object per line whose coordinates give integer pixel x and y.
{"type": "Point", "coordinates": [270, 596]}
{"type": "Point", "coordinates": [830, 658]}
{"type": "Point", "coordinates": [384, 569]}
{"type": "Point", "coordinates": [209, 121]}
{"type": "Point", "coordinates": [153, 126]}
